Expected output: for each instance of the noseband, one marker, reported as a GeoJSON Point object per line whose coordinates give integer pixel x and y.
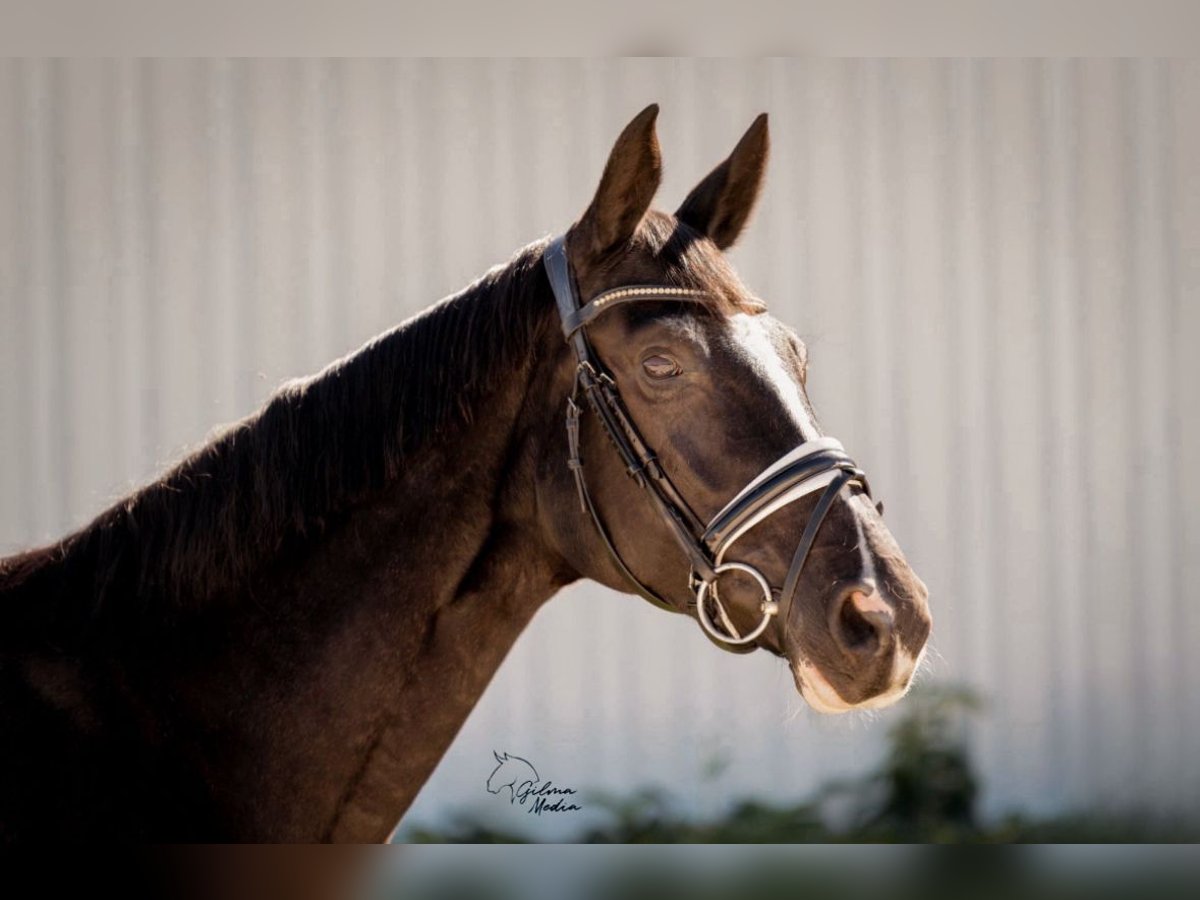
{"type": "Point", "coordinates": [806, 469]}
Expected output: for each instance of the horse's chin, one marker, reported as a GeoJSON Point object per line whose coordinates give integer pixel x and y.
{"type": "Point", "coordinates": [817, 691]}
{"type": "Point", "coordinates": [824, 698]}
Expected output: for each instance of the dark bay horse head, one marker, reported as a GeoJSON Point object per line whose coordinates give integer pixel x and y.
{"type": "Point", "coordinates": [717, 391]}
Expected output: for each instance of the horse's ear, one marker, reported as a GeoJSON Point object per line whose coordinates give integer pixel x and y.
{"type": "Point", "coordinates": [630, 179]}
{"type": "Point", "coordinates": [499, 759]}
{"type": "Point", "coordinates": [720, 204]}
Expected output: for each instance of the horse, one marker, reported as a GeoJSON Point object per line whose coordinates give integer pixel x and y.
{"type": "Point", "coordinates": [279, 638]}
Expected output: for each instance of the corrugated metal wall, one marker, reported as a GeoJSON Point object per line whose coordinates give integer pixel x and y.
{"type": "Point", "coordinates": [995, 264]}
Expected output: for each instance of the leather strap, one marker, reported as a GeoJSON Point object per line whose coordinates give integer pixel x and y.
{"type": "Point", "coordinates": [602, 397]}
{"type": "Point", "coordinates": [558, 268]}
{"type": "Point", "coordinates": [792, 582]}
{"type": "Point", "coordinates": [726, 524]}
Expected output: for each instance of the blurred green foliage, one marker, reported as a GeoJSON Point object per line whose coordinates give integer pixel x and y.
{"type": "Point", "coordinates": [923, 790]}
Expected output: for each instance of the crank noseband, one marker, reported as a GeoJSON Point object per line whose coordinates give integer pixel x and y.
{"type": "Point", "coordinates": [817, 465]}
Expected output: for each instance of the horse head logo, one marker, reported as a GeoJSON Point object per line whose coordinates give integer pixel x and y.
{"type": "Point", "coordinates": [514, 773]}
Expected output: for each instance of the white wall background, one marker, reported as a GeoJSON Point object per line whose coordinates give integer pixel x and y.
{"type": "Point", "coordinates": [996, 266]}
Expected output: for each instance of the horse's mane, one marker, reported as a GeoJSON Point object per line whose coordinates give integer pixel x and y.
{"type": "Point", "coordinates": [318, 446]}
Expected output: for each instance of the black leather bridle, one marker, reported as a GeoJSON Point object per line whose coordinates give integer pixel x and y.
{"type": "Point", "coordinates": [809, 467]}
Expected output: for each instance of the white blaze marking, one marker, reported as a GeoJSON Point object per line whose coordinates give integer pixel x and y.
{"type": "Point", "coordinates": [764, 357]}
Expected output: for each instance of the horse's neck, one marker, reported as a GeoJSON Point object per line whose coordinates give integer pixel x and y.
{"type": "Point", "coordinates": [461, 648]}
{"type": "Point", "coordinates": [435, 615]}
{"type": "Point", "coordinates": [432, 591]}
{"type": "Point", "coordinates": [419, 595]}
{"type": "Point", "coordinates": [313, 696]}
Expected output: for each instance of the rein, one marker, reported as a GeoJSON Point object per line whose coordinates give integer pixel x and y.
{"type": "Point", "coordinates": [809, 467]}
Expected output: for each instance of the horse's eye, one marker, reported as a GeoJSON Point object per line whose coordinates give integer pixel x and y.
{"type": "Point", "coordinates": [661, 366]}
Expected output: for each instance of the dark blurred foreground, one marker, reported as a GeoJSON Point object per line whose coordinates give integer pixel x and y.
{"type": "Point", "coordinates": [608, 872]}
{"type": "Point", "coordinates": [924, 790]}
{"type": "Point", "coordinates": [749, 873]}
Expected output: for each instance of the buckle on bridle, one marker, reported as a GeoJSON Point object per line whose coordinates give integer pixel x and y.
{"type": "Point", "coordinates": [574, 461]}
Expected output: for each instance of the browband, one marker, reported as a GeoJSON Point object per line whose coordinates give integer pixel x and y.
{"type": "Point", "coordinates": [574, 317]}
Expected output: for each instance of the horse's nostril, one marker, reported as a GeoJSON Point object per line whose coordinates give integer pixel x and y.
{"type": "Point", "coordinates": [861, 621]}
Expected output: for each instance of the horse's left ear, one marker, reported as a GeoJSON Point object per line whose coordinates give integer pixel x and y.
{"type": "Point", "coordinates": [630, 179]}
{"type": "Point", "coordinates": [721, 203]}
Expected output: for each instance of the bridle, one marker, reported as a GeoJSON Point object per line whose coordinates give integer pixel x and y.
{"type": "Point", "coordinates": [808, 468]}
